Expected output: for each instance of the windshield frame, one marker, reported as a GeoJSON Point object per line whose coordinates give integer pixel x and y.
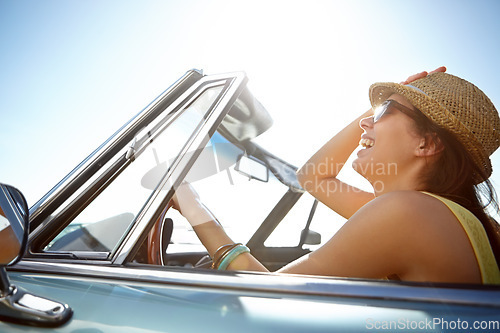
{"type": "Point", "coordinates": [53, 224]}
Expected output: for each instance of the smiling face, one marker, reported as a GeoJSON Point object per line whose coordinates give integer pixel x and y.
{"type": "Point", "coordinates": [390, 144]}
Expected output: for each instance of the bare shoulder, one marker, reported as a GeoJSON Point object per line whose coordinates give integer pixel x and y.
{"type": "Point", "coordinates": [407, 199]}
{"type": "Point", "coordinates": [425, 234]}
{"type": "Point", "coordinates": [408, 234]}
{"type": "Point", "coordinates": [410, 212]}
{"type": "Point", "coordinates": [403, 203]}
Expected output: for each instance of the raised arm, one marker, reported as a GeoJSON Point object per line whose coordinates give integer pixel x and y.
{"type": "Point", "coordinates": [318, 175]}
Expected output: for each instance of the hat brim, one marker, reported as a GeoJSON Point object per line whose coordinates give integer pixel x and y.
{"type": "Point", "coordinates": [437, 113]}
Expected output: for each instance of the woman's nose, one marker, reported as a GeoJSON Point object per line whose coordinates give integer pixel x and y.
{"type": "Point", "coordinates": [367, 122]}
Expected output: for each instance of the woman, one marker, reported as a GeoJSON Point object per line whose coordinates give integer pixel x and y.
{"type": "Point", "coordinates": [425, 150]}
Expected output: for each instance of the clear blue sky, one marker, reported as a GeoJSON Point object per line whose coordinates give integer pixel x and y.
{"type": "Point", "coordinates": [72, 72]}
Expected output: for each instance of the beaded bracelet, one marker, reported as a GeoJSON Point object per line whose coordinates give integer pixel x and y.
{"type": "Point", "coordinates": [231, 255]}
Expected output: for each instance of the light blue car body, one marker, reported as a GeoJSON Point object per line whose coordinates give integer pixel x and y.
{"type": "Point", "coordinates": [123, 299]}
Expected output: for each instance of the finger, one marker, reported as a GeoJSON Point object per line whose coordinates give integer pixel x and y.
{"type": "Point", "coordinates": [439, 69]}
{"type": "Point", "coordinates": [414, 77]}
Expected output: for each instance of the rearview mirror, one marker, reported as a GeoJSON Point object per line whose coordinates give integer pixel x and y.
{"type": "Point", "coordinates": [252, 168]}
{"type": "Point", "coordinates": [16, 305]}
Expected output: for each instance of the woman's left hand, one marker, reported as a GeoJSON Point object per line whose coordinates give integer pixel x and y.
{"type": "Point", "coordinates": [423, 74]}
{"type": "Point", "coordinates": [187, 201]}
{"type": "Point", "coordinates": [185, 198]}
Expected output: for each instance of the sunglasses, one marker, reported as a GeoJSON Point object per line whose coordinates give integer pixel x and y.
{"type": "Point", "coordinates": [382, 108]}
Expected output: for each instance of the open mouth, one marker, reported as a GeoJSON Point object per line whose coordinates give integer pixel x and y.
{"type": "Point", "coordinates": [366, 143]}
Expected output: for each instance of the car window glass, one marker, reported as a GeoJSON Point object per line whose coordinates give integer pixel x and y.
{"type": "Point", "coordinates": [324, 221]}
{"type": "Point", "coordinates": [102, 224]}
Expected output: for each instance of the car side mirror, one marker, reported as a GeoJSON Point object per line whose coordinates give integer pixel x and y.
{"type": "Point", "coordinates": [13, 224]}
{"type": "Point", "coordinates": [310, 237]}
{"type": "Point", "coordinates": [252, 168]}
{"type": "Point", "coordinates": [16, 305]}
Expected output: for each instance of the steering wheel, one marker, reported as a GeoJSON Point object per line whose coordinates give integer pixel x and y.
{"type": "Point", "coordinates": [159, 238]}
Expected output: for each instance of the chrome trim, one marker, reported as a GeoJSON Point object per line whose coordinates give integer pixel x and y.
{"type": "Point", "coordinates": [82, 254]}
{"type": "Point", "coordinates": [278, 283]}
{"type": "Point", "coordinates": [234, 83]}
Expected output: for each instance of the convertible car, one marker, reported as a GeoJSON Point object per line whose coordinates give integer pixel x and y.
{"type": "Point", "coordinates": [102, 251]}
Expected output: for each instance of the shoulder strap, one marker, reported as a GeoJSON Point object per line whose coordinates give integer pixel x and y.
{"type": "Point", "coordinates": [490, 272]}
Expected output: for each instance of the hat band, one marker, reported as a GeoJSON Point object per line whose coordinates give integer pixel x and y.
{"type": "Point", "coordinates": [409, 85]}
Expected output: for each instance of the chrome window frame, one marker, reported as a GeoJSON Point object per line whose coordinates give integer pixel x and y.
{"type": "Point", "coordinates": [164, 191]}
{"type": "Point", "coordinates": [233, 84]}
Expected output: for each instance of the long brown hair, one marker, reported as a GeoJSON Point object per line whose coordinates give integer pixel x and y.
{"type": "Point", "coordinates": [453, 174]}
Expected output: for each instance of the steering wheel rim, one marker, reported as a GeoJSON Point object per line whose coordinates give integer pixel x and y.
{"type": "Point", "coordinates": [159, 238]}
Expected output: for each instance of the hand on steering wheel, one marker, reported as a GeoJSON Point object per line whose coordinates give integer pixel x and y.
{"type": "Point", "coordinates": [187, 201]}
{"type": "Point", "coordinates": [185, 197]}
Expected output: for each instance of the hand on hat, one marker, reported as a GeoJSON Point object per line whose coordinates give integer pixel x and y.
{"type": "Point", "coordinates": [423, 74]}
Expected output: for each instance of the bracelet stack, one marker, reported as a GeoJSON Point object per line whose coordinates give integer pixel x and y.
{"type": "Point", "coordinates": [226, 254]}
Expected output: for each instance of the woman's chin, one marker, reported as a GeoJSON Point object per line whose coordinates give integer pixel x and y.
{"type": "Point", "coordinates": [359, 166]}
{"type": "Point", "coordinates": [363, 166]}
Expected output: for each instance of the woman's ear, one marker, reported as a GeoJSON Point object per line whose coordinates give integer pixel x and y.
{"type": "Point", "coordinates": [430, 145]}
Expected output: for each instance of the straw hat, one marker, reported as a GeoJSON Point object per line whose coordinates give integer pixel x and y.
{"type": "Point", "coordinates": [457, 106]}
